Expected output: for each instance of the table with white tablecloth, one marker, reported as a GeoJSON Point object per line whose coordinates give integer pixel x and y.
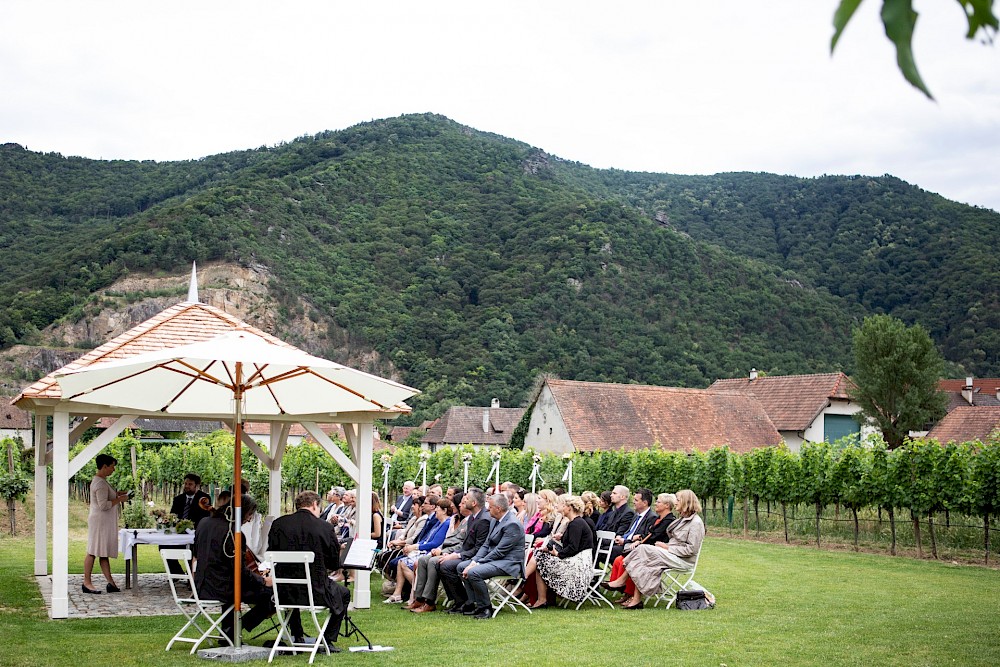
{"type": "Point", "coordinates": [129, 540]}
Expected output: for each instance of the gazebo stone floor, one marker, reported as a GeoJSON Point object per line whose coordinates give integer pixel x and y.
{"type": "Point", "coordinates": [152, 598]}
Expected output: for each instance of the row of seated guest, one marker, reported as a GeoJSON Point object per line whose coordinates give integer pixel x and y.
{"type": "Point", "coordinates": [501, 553]}
{"type": "Point", "coordinates": [423, 594]}
{"type": "Point", "coordinates": [675, 547]}
{"type": "Point", "coordinates": [433, 536]}
{"type": "Point", "coordinates": [423, 578]}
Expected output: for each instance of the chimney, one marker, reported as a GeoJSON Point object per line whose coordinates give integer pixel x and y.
{"type": "Point", "coordinates": [486, 420]}
{"type": "Point", "coordinates": [753, 374]}
{"type": "Point", "coordinates": [967, 391]}
{"type": "Point", "coordinates": [495, 403]}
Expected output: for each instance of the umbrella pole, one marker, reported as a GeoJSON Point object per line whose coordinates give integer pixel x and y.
{"type": "Point", "coordinates": [238, 509]}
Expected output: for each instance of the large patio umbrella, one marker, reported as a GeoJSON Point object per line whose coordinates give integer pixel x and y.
{"type": "Point", "coordinates": [237, 374]}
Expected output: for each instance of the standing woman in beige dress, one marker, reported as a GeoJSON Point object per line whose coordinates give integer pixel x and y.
{"type": "Point", "coordinates": [102, 524]}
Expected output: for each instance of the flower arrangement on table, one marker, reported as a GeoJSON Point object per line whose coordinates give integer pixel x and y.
{"type": "Point", "coordinates": [165, 521]}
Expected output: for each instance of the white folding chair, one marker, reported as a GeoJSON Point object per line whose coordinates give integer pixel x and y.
{"type": "Point", "coordinates": [676, 580]}
{"type": "Point", "coordinates": [601, 567]}
{"type": "Point", "coordinates": [203, 616]}
{"type": "Point", "coordinates": [500, 595]}
{"type": "Point", "coordinates": [285, 609]}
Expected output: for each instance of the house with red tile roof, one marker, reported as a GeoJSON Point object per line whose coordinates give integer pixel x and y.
{"type": "Point", "coordinates": [971, 391]}
{"type": "Point", "coordinates": [570, 416]}
{"type": "Point", "coordinates": [468, 425]}
{"type": "Point", "coordinates": [16, 423]}
{"type": "Point", "coordinates": [803, 407]}
{"type": "Point", "coordinates": [967, 423]}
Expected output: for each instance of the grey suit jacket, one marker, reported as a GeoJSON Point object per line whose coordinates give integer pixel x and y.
{"type": "Point", "coordinates": [504, 546]}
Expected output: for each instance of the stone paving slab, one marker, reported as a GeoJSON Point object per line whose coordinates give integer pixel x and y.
{"type": "Point", "coordinates": [152, 598]}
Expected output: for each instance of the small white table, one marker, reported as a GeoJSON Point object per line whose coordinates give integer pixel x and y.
{"type": "Point", "coordinates": [129, 540]}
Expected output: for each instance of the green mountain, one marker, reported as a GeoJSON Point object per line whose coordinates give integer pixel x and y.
{"type": "Point", "coordinates": [473, 263]}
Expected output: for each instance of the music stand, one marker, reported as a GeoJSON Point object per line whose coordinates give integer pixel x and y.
{"type": "Point", "coordinates": [360, 556]}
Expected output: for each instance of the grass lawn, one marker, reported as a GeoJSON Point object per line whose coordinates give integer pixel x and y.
{"type": "Point", "coordinates": [777, 605]}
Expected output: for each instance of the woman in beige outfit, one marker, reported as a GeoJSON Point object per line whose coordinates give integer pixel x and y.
{"type": "Point", "coordinates": [102, 524]}
{"type": "Point", "coordinates": [647, 562]}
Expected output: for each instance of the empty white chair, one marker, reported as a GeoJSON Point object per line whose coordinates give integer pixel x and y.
{"type": "Point", "coordinates": [203, 616]}
{"type": "Point", "coordinates": [601, 567]}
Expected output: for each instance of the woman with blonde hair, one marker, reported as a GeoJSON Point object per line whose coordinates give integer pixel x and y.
{"type": "Point", "coordinates": [566, 567]}
{"type": "Point", "coordinates": [647, 562]}
{"type": "Point", "coordinates": [534, 522]}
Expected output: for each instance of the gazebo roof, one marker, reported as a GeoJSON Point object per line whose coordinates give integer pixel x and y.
{"type": "Point", "coordinates": [183, 324]}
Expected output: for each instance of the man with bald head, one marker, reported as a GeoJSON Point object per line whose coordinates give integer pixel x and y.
{"type": "Point", "coordinates": [501, 554]}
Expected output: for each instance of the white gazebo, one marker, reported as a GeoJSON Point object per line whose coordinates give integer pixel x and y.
{"type": "Point", "coordinates": [186, 323]}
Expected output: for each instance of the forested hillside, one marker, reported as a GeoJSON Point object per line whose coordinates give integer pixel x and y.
{"type": "Point", "coordinates": [472, 263]}
{"type": "Point", "coordinates": [876, 241]}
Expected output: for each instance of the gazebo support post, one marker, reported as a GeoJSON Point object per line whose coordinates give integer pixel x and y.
{"type": "Point", "coordinates": [361, 441]}
{"type": "Point", "coordinates": [279, 438]}
{"type": "Point", "coordinates": [41, 499]}
{"type": "Point", "coordinates": [60, 514]}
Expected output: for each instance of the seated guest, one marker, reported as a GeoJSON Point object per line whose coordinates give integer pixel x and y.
{"type": "Point", "coordinates": [644, 517]}
{"type": "Point", "coordinates": [213, 577]}
{"type": "Point", "coordinates": [346, 520]}
{"type": "Point", "coordinates": [303, 530]}
{"type": "Point", "coordinates": [429, 526]}
{"type": "Point", "coordinates": [335, 503]}
{"type": "Point", "coordinates": [534, 521]}
{"type": "Point", "coordinates": [591, 507]}
{"type": "Point", "coordinates": [411, 552]}
{"type": "Point", "coordinates": [424, 579]}
{"type": "Point", "coordinates": [663, 508]}
{"type": "Point", "coordinates": [550, 507]}
{"type": "Point", "coordinates": [400, 510]}
{"type": "Point", "coordinates": [567, 567]}
{"type": "Point", "coordinates": [647, 562]}
{"type": "Point", "coordinates": [477, 530]}
{"type": "Point", "coordinates": [377, 520]}
{"type": "Point", "coordinates": [519, 508]}
{"type": "Point", "coordinates": [603, 504]}
{"type": "Point", "coordinates": [408, 533]}
{"type": "Point", "coordinates": [501, 554]}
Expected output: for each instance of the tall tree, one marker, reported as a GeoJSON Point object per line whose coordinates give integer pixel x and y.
{"type": "Point", "coordinates": [896, 374]}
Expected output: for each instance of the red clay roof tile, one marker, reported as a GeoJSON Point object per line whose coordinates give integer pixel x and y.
{"type": "Point", "coordinates": [601, 416]}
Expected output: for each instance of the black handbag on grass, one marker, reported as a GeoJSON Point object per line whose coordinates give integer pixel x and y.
{"type": "Point", "coordinates": [691, 600]}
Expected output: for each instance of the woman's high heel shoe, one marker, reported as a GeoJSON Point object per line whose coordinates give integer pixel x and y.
{"type": "Point", "coordinates": [113, 589]}
{"type": "Point", "coordinates": [87, 590]}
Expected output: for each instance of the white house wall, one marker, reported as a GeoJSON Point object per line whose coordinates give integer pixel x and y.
{"type": "Point", "coordinates": [815, 432]}
{"type": "Point", "coordinates": [546, 429]}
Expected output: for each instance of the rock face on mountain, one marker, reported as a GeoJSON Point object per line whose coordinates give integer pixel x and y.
{"type": "Point", "coordinates": [240, 291]}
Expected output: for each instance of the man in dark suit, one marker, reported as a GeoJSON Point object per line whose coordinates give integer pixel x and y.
{"type": "Point", "coordinates": [639, 527]}
{"type": "Point", "coordinates": [303, 530]}
{"type": "Point", "coordinates": [193, 503]}
{"type": "Point", "coordinates": [475, 537]}
{"type": "Point", "coordinates": [501, 554]}
{"type": "Point", "coordinates": [619, 515]}
{"type": "Point", "coordinates": [400, 510]}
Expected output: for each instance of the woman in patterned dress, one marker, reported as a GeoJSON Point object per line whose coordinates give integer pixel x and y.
{"type": "Point", "coordinates": [566, 567]}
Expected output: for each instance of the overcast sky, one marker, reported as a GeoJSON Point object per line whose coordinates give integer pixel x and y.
{"type": "Point", "coordinates": [688, 87]}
